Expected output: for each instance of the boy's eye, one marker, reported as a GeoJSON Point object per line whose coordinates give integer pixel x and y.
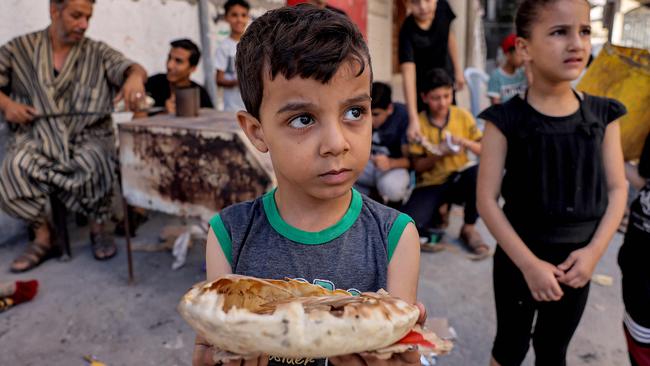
{"type": "Point", "coordinates": [301, 121]}
{"type": "Point", "coordinates": [353, 114]}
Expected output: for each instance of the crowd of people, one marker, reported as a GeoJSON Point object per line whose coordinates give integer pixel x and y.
{"type": "Point", "coordinates": [364, 183]}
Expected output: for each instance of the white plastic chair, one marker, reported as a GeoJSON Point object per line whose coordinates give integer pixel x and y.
{"type": "Point", "coordinates": [475, 79]}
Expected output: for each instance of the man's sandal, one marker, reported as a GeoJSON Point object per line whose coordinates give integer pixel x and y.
{"type": "Point", "coordinates": [103, 246]}
{"type": "Point", "coordinates": [34, 255]}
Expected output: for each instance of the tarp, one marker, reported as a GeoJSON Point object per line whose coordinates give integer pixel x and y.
{"type": "Point", "coordinates": [623, 73]}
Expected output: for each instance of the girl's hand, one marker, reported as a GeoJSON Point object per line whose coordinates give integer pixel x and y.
{"type": "Point", "coordinates": [542, 281]}
{"type": "Point", "coordinates": [413, 132]}
{"type": "Point", "coordinates": [405, 359]}
{"type": "Point", "coordinates": [578, 267]}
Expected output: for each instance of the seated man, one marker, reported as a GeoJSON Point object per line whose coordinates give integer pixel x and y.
{"type": "Point", "coordinates": [181, 63]}
{"type": "Point", "coordinates": [60, 94]}
{"type": "Point", "coordinates": [444, 171]}
{"type": "Point", "coordinates": [387, 170]}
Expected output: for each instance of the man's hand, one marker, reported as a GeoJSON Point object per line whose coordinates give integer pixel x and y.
{"type": "Point", "coordinates": [19, 113]}
{"type": "Point", "coordinates": [133, 91]}
{"type": "Point", "coordinates": [578, 267]}
{"type": "Point", "coordinates": [460, 81]}
{"type": "Point", "coordinates": [399, 359]}
{"type": "Point", "coordinates": [541, 278]}
{"type": "Point", "coordinates": [382, 162]}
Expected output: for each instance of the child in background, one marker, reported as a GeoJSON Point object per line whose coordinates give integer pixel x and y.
{"type": "Point", "coordinates": [426, 42]}
{"type": "Point", "coordinates": [564, 186]}
{"type": "Point", "coordinates": [236, 14]}
{"type": "Point", "coordinates": [447, 176]}
{"type": "Point", "coordinates": [387, 170]}
{"type": "Point", "coordinates": [305, 77]}
{"type": "Point", "coordinates": [510, 79]}
{"type": "Point", "coordinates": [633, 260]}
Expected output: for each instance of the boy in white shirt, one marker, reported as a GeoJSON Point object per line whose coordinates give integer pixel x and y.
{"type": "Point", "coordinates": [237, 17]}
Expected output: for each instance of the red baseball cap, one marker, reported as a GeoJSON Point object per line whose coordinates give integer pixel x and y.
{"type": "Point", "coordinates": [508, 42]}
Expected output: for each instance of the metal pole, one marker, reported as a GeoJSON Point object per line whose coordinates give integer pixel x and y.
{"type": "Point", "coordinates": [208, 66]}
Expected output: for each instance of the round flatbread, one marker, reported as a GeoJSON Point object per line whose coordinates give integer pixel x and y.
{"type": "Point", "coordinates": [293, 319]}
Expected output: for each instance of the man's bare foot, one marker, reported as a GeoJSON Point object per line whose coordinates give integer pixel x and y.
{"type": "Point", "coordinates": [101, 242]}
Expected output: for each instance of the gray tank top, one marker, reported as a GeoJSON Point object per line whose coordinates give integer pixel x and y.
{"type": "Point", "coordinates": [352, 255]}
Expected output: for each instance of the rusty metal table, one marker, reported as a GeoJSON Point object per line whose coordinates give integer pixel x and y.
{"type": "Point", "coordinates": [190, 167]}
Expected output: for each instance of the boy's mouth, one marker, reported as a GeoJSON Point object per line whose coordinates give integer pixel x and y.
{"type": "Point", "coordinates": [336, 176]}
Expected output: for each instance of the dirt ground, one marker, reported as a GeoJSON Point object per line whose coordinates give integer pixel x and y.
{"type": "Point", "coordinates": [86, 307]}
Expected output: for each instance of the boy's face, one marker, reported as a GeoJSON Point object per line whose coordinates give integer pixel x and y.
{"type": "Point", "coordinates": [514, 59]}
{"type": "Point", "coordinates": [178, 65]}
{"type": "Point", "coordinates": [318, 135]}
{"type": "Point", "coordinates": [423, 10]}
{"type": "Point", "coordinates": [380, 115]}
{"type": "Point", "coordinates": [438, 100]}
{"type": "Point", "coordinates": [237, 17]}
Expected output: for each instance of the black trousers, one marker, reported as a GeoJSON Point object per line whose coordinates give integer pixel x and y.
{"type": "Point", "coordinates": [460, 188]}
{"type": "Point", "coordinates": [516, 309]}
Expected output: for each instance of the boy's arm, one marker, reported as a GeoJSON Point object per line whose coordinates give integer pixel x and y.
{"type": "Point", "coordinates": [581, 263]}
{"type": "Point", "coordinates": [404, 266]}
{"type": "Point", "coordinates": [540, 276]}
{"type": "Point", "coordinates": [453, 54]}
{"type": "Point", "coordinates": [216, 265]}
{"type": "Point", "coordinates": [223, 82]}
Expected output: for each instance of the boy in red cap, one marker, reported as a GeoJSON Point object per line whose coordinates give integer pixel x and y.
{"type": "Point", "coordinates": [509, 79]}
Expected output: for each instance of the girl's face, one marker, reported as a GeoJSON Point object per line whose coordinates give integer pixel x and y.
{"type": "Point", "coordinates": [560, 41]}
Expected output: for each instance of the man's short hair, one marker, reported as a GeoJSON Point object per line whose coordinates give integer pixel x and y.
{"type": "Point", "coordinates": [186, 44]}
{"type": "Point", "coordinates": [436, 78]}
{"type": "Point", "coordinates": [382, 95]}
{"type": "Point", "coordinates": [60, 3]}
{"type": "Point", "coordinates": [230, 3]}
{"type": "Point", "coordinates": [292, 41]}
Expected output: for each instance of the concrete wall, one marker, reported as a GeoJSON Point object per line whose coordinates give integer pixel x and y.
{"type": "Point", "coordinates": [140, 29]}
{"type": "Point", "coordinates": [380, 40]}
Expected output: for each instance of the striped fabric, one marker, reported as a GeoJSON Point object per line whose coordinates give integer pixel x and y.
{"type": "Point", "coordinates": [71, 156]}
{"type": "Point", "coordinates": [637, 332]}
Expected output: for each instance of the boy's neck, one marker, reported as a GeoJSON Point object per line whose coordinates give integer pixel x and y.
{"type": "Point", "coordinates": [439, 119]}
{"type": "Point", "coordinates": [509, 68]}
{"type": "Point", "coordinates": [235, 36]}
{"type": "Point", "coordinates": [309, 213]}
{"type": "Point", "coordinates": [552, 98]}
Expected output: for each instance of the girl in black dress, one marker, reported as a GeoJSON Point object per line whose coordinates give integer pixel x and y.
{"type": "Point", "coordinates": [564, 186]}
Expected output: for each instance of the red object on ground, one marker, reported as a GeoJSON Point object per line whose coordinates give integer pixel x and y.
{"type": "Point", "coordinates": [357, 10]}
{"type": "Point", "coordinates": [640, 353]}
{"type": "Point", "coordinates": [25, 291]}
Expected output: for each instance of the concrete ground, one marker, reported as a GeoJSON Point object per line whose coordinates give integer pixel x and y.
{"type": "Point", "coordinates": [86, 307]}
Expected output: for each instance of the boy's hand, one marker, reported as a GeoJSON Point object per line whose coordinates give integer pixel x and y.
{"type": "Point", "coordinates": [541, 278]}
{"type": "Point", "coordinates": [578, 267]}
{"type": "Point", "coordinates": [170, 104]}
{"type": "Point", "coordinates": [405, 358]}
{"type": "Point", "coordinates": [382, 162]}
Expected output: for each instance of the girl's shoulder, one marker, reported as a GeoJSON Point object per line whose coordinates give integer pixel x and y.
{"type": "Point", "coordinates": [505, 116]}
{"type": "Point", "coordinates": [605, 110]}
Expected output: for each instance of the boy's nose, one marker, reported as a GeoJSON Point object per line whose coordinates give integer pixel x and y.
{"type": "Point", "coordinates": [333, 141]}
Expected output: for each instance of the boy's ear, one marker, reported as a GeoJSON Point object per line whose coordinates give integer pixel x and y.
{"type": "Point", "coordinates": [521, 47]}
{"type": "Point", "coordinates": [253, 130]}
{"type": "Point", "coordinates": [390, 109]}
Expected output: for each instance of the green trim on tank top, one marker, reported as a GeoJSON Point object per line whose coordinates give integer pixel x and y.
{"type": "Point", "coordinates": [306, 237]}
{"type": "Point", "coordinates": [223, 236]}
{"type": "Point", "coordinates": [396, 231]}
